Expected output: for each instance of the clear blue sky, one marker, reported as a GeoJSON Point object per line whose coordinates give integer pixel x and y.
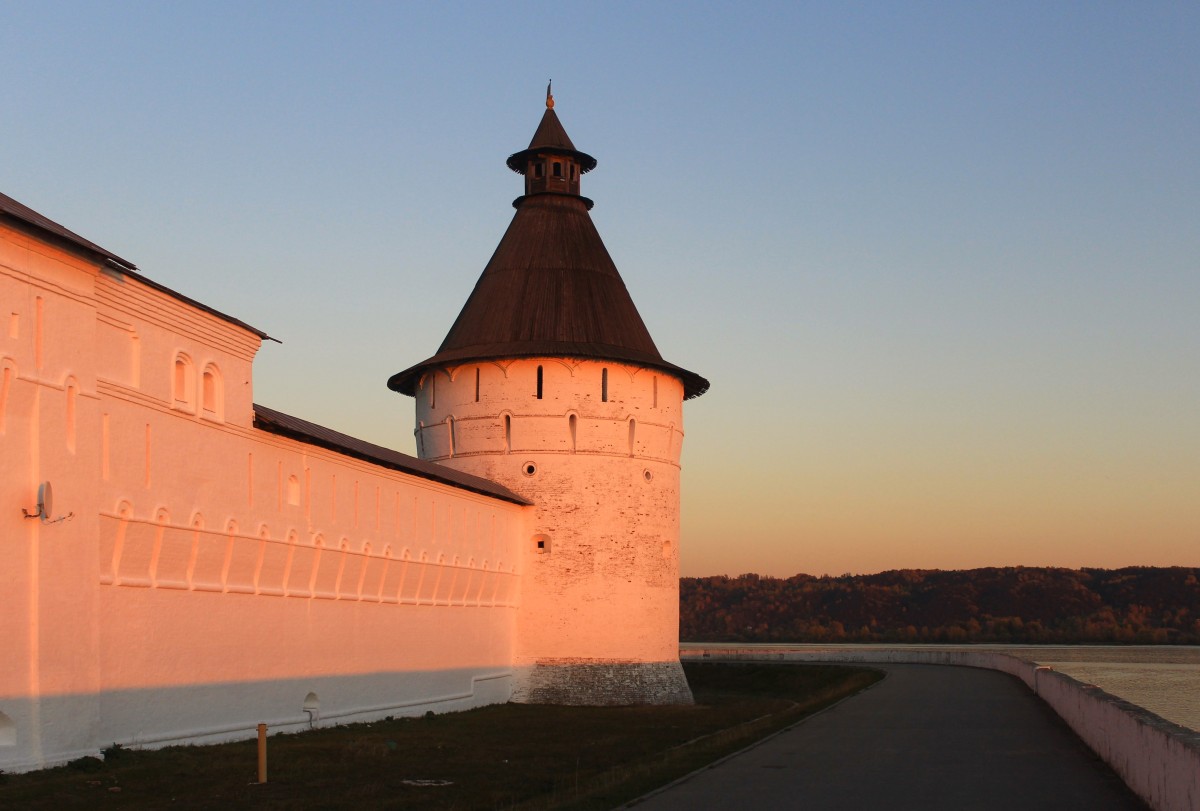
{"type": "Point", "coordinates": [940, 261]}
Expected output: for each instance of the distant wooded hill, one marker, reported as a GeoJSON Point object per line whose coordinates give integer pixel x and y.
{"type": "Point", "coordinates": [1009, 605]}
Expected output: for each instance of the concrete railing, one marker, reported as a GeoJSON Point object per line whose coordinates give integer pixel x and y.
{"type": "Point", "coordinates": [1158, 760]}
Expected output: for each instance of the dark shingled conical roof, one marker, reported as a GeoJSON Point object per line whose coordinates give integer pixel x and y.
{"type": "Point", "coordinates": [550, 289]}
{"type": "Point", "coordinates": [551, 138]}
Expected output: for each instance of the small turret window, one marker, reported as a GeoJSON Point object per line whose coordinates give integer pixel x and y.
{"type": "Point", "coordinates": [538, 171]}
{"type": "Point", "coordinates": [557, 169]}
{"type": "Point", "coordinates": [604, 385]}
{"type": "Point", "coordinates": [477, 384]}
{"type": "Point", "coordinates": [539, 382]}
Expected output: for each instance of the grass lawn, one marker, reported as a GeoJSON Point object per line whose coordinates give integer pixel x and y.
{"type": "Point", "coordinates": [508, 756]}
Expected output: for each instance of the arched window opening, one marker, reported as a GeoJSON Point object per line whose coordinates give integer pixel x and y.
{"type": "Point", "coordinates": [450, 432]}
{"type": "Point", "coordinates": [604, 385]}
{"type": "Point", "coordinates": [433, 390]}
{"type": "Point", "coordinates": [573, 425]}
{"type": "Point", "coordinates": [557, 169]}
{"type": "Point", "coordinates": [184, 393]}
{"type": "Point", "coordinates": [212, 393]}
{"type": "Point", "coordinates": [632, 434]}
{"type": "Point", "coordinates": [539, 382]}
{"type": "Point", "coordinates": [507, 433]}
{"type": "Point", "coordinates": [477, 384]}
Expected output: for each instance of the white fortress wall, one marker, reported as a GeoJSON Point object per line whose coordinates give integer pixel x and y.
{"type": "Point", "coordinates": [369, 591]}
{"type": "Point", "coordinates": [598, 453]}
{"type": "Point", "coordinates": [1158, 760]}
{"type": "Point", "coordinates": [213, 575]}
{"type": "Point", "coordinates": [47, 403]}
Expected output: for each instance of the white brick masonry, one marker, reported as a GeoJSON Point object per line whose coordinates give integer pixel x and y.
{"type": "Point", "coordinates": [598, 453]}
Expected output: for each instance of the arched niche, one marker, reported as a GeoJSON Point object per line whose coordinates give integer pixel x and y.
{"type": "Point", "coordinates": [212, 393]}
{"type": "Point", "coordinates": [183, 383]}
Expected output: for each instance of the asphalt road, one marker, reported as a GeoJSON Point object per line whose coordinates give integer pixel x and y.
{"type": "Point", "coordinates": [927, 737]}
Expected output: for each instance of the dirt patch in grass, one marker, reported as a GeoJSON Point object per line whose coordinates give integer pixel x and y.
{"type": "Point", "coordinates": [509, 756]}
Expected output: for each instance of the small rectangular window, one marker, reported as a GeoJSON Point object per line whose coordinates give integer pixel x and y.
{"type": "Point", "coordinates": [557, 169]}
{"type": "Point", "coordinates": [539, 383]}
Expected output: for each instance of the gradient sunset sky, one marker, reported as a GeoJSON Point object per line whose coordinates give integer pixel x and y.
{"type": "Point", "coordinates": [940, 261]}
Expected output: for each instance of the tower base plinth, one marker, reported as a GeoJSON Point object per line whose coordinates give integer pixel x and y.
{"type": "Point", "coordinates": [600, 683]}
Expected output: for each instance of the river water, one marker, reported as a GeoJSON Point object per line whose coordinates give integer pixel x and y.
{"type": "Point", "coordinates": [1164, 679]}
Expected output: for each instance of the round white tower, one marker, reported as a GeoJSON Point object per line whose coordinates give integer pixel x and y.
{"type": "Point", "coordinates": [549, 383]}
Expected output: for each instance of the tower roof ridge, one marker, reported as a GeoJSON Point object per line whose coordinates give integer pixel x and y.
{"type": "Point", "coordinates": [550, 132]}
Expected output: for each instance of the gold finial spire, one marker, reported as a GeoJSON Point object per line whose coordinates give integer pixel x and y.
{"type": "Point", "coordinates": [549, 98]}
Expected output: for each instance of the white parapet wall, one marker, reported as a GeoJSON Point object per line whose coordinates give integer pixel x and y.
{"type": "Point", "coordinates": [201, 564]}
{"type": "Point", "coordinates": [1158, 760]}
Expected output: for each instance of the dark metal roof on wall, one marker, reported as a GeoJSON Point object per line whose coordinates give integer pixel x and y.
{"type": "Point", "coordinates": [45, 228]}
{"type": "Point", "coordinates": [276, 422]}
{"type": "Point", "coordinates": [550, 290]}
{"type": "Point", "coordinates": [48, 227]}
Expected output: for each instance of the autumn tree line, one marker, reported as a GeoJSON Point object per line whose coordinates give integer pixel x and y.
{"type": "Point", "coordinates": [1014, 605]}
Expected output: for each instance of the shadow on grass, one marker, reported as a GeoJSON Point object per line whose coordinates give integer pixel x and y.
{"type": "Point", "coordinates": [508, 756]}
